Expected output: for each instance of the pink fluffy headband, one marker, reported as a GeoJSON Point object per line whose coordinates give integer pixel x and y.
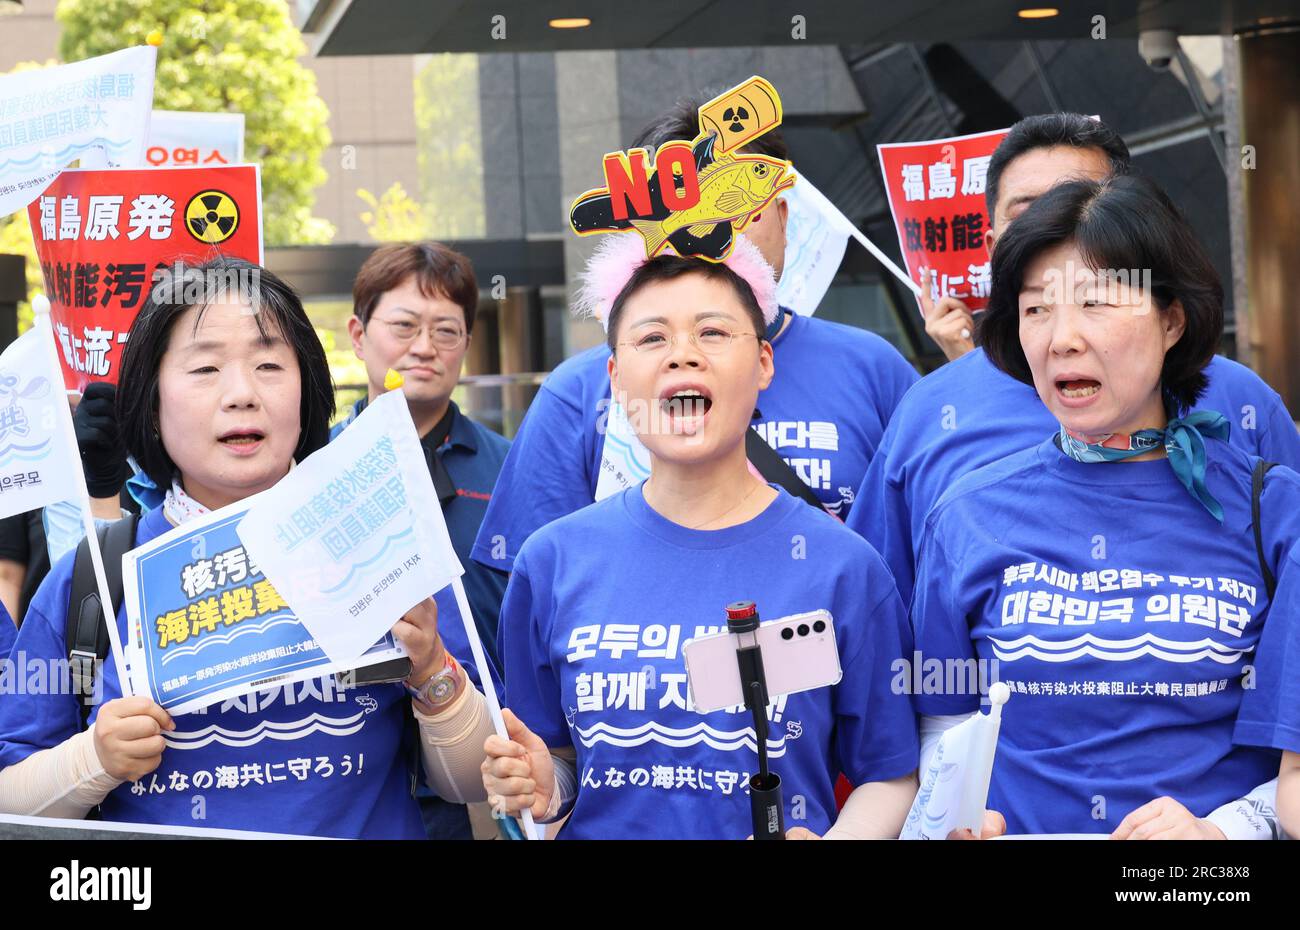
{"type": "Point", "coordinates": [619, 255]}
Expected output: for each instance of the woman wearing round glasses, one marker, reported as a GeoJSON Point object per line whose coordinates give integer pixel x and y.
{"type": "Point", "coordinates": [600, 602]}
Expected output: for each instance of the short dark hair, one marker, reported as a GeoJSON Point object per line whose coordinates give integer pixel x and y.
{"type": "Point", "coordinates": [276, 307]}
{"type": "Point", "coordinates": [1119, 223]}
{"type": "Point", "coordinates": [682, 121]}
{"type": "Point", "coordinates": [1047, 131]}
{"type": "Point", "coordinates": [666, 267]}
{"type": "Point", "coordinates": [438, 272]}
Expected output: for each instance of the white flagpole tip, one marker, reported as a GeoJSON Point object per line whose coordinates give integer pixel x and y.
{"type": "Point", "coordinates": [40, 304]}
{"type": "Point", "coordinates": [999, 693]}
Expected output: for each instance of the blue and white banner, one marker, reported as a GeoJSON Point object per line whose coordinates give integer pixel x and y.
{"type": "Point", "coordinates": [355, 536]}
{"type": "Point", "coordinates": [624, 459]}
{"type": "Point", "coordinates": [816, 235]}
{"type": "Point", "coordinates": [38, 463]}
{"type": "Point", "coordinates": [183, 138]}
{"type": "Point", "coordinates": [96, 109]}
{"type": "Point", "coordinates": [205, 625]}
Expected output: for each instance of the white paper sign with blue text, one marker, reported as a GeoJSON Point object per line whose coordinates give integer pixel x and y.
{"type": "Point", "coordinates": [96, 110]}
{"type": "Point", "coordinates": [354, 537]}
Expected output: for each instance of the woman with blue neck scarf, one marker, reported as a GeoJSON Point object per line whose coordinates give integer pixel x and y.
{"type": "Point", "coordinates": [1109, 574]}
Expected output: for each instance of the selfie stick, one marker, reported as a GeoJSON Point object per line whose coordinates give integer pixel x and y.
{"type": "Point", "coordinates": [765, 787]}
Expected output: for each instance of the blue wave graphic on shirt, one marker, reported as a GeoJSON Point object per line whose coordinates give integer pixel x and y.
{"type": "Point", "coordinates": [66, 152]}
{"type": "Point", "coordinates": [1114, 650]}
{"type": "Point", "coordinates": [273, 620]}
{"type": "Point", "coordinates": [370, 561]}
{"type": "Point", "coordinates": [267, 729]}
{"type": "Point", "coordinates": [653, 731]}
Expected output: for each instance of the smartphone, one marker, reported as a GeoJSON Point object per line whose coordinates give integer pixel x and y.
{"type": "Point", "coordinates": [799, 654]}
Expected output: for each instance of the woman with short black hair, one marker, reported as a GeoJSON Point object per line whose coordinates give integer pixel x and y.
{"type": "Point", "coordinates": [224, 385]}
{"type": "Point", "coordinates": [277, 315]}
{"type": "Point", "coordinates": [1110, 572]}
{"type": "Point", "coordinates": [602, 726]}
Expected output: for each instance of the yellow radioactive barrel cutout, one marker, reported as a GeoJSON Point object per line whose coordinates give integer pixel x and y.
{"type": "Point", "coordinates": [742, 114]}
{"type": "Point", "coordinates": [212, 216]}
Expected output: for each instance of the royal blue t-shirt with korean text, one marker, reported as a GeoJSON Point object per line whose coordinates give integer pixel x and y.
{"type": "Point", "coordinates": [311, 757]}
{"type": "Point", "coordinates": [1122, 616]}
{"type": "Point", "coordinates": [597, 611]}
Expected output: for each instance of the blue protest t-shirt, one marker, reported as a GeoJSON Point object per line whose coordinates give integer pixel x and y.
{"type": "Point", "coordinates": [1270, 711]}
{"type": "Point", "coordinates": [834, 391]}
{"type": "Point", "coordinates": [968, 414]}
{"type": "Point", "coordinates": [8, 632]}
{"type": "Point", "coordinates": [593, 623]}
{"type": "Point", "coordinates": [1121, 614]}
{"type": "Point", "coordinates": [308, 758]}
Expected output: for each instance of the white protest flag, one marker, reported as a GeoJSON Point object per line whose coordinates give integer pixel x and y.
{"type": "Point", "coordinates": [39, 459]}
{"type": "Point", "coordinates": [354, 537]}
{"type": "Point", "coordinates": [955, 786]}
{"type": "Point", "coordinates": [97, 109]}
{"type": "Point", "coordinates": [38, 463]}
{"type": "Point", "coordinates": [815, 242]}
{"type": "Point", "coordinates": [624, 459]}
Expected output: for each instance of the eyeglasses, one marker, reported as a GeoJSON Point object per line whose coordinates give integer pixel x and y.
{"type": "Point", "coordinates": [711, 340]}
{"type": "Point", "coordinates": [445, 335]}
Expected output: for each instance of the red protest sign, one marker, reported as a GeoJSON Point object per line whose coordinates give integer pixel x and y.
{"type": "Point", "coordinates": [101, 236]}
{"type": "Point", "coordinates": [936, 194]}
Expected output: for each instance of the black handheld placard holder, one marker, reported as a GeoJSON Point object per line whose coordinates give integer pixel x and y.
{"type": "Point", "coordinates": [764, 787]}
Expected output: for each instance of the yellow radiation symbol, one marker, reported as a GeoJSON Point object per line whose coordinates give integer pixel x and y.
{"type": "Point", "coordinates": [212, 216]}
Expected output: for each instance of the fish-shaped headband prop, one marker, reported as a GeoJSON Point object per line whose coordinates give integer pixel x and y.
{"type": "Point", "coordinates": [695, 198]}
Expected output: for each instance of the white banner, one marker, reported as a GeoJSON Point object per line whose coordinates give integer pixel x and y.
{"type": "Point", "coordinates": [815, 239]}
{"type": "Point", "coordinates": [354, 537]}
{"type": "Point", "coordinates": [97, 110]}
{"type": "Point", "coordinates": [624, 460]}
{"type": "Point", "coordinates": [38, 465]}
{"type": "Point", "coordinates": [181, 138]}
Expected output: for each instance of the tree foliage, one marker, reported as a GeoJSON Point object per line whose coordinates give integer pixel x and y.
{"type": "Point", "coordinates": [228, 55]}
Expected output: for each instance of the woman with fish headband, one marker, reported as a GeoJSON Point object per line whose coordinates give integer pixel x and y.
{"type": "Point", "coordinates": [1116, 575]}
{"type": "Point", "coordinates": [217, 399]}
{"type": "Point", "coordinates": [600, 601]}
{"type": "Point", "coordinates": [825, 412]}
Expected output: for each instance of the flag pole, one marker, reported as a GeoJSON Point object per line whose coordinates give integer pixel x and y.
{"type": "Point", "coordinates": [393, 382]}
{"type": "Point", "coordinates": [41, 310]}
{"type": "Point", "coordinates": [489, 692]}
{"type": "Point", "coordinates": [884, 259]}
